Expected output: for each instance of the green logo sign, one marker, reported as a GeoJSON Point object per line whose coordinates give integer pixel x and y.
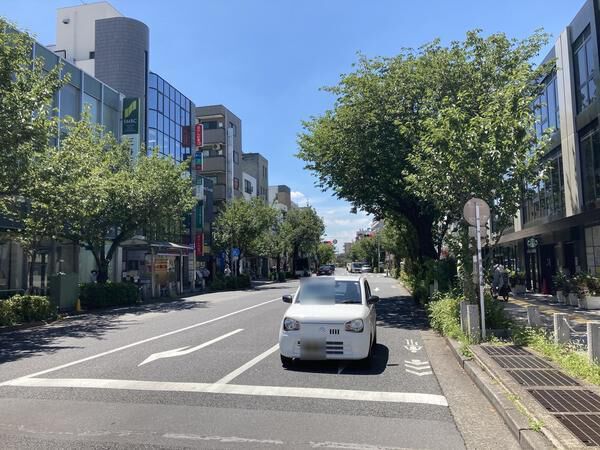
{"type": "Point", "coordinates": [131, 115]}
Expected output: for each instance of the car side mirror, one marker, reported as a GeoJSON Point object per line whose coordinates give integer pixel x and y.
{"type": "Point", "coordinates": [372, 299]}
{"type": "Point", "coordinates": [287, 299]}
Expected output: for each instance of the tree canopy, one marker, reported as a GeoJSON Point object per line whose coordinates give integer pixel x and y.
{"type": "Point", "coordinates": [414, 136]}
{"type": "Point", "coordinates": [91, 191]}
{"type": "Point", "coordinates": [26, 122]}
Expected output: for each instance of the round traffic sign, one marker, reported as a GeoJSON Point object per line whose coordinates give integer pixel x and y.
{"type": "Point", "coordinates": [469, 211]}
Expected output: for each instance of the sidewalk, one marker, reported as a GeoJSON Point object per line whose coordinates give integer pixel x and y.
{"type": "Point", "coordinates": [516, 307]}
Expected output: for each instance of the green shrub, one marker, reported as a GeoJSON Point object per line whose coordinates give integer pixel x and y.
{"type": "Point", "coordinates": [444, 314]}
{"type": "Point", "coordinates": [495, 317]}
{"type": "Point", "coordinates": [218, 284]}
{"type": "Point", "coordinates": [97, 295]}
{"type": "Point", "coordinates": [26, 308]}
{"type": "Point", "coordinates": [243, 281]}
{"type": "Point", "coordinates": [281, 276]}
{"type": "Point", "coordinates": [230, 283]}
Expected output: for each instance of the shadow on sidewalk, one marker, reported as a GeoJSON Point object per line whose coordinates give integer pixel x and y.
{"type": "Point", "coordinates": [401, 312]}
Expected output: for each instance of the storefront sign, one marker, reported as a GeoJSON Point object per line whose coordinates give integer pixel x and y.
{"type": "Point", "coordinates": [200, 216]}
{"type": "Point", "coordinates": [198, 160]}
{"type": "Point", "coordinates": [532, 242]}
{"type": "Point", "coordinates": [186, 139]}
{"type": "Point", "coordinates": [131, 115]}
{"type": "Point", "coordinates": [199, 135]}
{"type": "Point", "coordinates": [199, 244]}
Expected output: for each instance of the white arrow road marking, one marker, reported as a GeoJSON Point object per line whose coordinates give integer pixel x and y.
{"type": "Point", "coordinates": [419, 374]}
{"type": "Point", "coordinates": [418, 367]}
{"type": "Point", "coordinates": [185, 350]}
{"type": "Point", "coordinates": [143, 341]}
{"type": "Point", "coordinates": [412, 346]}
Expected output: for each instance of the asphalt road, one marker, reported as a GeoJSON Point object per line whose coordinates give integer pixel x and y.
{"type": "Point", "coordinates": [205, 372]}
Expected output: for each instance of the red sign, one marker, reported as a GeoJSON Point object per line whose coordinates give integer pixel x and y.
{"type": "Point", "coordinates": [186, 139]}
{"type": "Point", "coordinates": [199, 134]}
{"type": "Point", "coordinates": [199, 244]}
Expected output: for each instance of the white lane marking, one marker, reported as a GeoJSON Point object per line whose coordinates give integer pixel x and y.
{"type": "Point", "coordinates": [352, 446]}
{"type": "Point", "coordinates": [182, 351]}
{"type": "Point", "coordinates": [124, 347]}
{"type": "Point", "coordinates": [412, 346]}
{"type": "Point", "coordinates": [419, 374]}
{"type": "Point", "coordinates": [237, 372]}
{"type": "Point", "coordinates": [264, 391]}
{"type": "Point", "coordinates": [227, 439]}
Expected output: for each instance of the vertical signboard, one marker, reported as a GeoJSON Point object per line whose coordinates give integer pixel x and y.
{"type": "Point", "coordinates": [199, 244]}
{"type": "Point", "coordinates": [200, 216]}
{"type": "Point", "coordinates": [198, 160]}
{"type": "Point", "coordinates": [186, 139]}
{"type": "Point", "coordinates": [199, 135]}
{"type": "Point", "coordinates": [131, 123]}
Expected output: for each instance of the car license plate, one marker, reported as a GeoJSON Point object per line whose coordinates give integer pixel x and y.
{"type": "Point", "coordinates": [312, 349]}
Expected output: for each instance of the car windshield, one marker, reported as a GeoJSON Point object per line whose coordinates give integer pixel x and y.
{"type": "Point", "coordinates": [329, 292]}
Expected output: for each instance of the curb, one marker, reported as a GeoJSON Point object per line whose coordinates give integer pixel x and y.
{"type": "Point", "coordinates": [517, 422]}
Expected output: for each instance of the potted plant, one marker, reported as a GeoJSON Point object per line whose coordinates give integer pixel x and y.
{"type": "Point", "coordinates": [517, 282]}
{"type": "Point", "coordinates": [561, 283]}
{"type": "Point", "coordinates": [575, 290]}
{"type": "Point", "coordinates": [589, 291]}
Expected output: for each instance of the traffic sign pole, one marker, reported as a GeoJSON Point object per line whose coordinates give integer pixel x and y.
{"type": "Point", "coordinates": [480, 269]}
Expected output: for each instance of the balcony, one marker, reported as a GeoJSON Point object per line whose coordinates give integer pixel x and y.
{"type": "Point", "coordinates": [214, 136]}
{"type": "Point", "coordinates": [214, 164]}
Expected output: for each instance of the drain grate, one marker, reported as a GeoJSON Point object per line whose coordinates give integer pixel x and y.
{"type": "Point", "coordinates": [542, 378]}
{"type": "Point", "coordinates": [585, 426]}
{"type": "Point", "coordinates": [521, 362]}
{"type": "Point", "coordinates": [559, 401]}
{"type": "Point", "coordinates": [505, 350]}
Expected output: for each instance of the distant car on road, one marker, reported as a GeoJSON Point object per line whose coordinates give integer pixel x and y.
{"type": "Point", "coordinates": [354, 267]}
{"type": "Point", "coordinates": [366, 268]}
{"type": "Point", "coordinates": [324, 270]}
{"type": "Point", "coordinates": [332, 266]}
{"type": "Point", "coordinates": [329, 318]}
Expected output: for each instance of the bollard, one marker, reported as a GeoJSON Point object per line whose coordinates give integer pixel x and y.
{"type": "Point", "coordinates": [593, 339]}
{"type": "Point", "coordinates": [464, 325]}
{"type": "Point", "coordinates": [561, 329]}
{"type": "Point", "coordinates": [473, 329]}
{"type": "Point", "coordinates": [534, 319]}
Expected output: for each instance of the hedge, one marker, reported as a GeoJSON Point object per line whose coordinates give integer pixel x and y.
{"type": "Point", "coordinates": [97, 295]}
{"type": "Point", "coordinates": [231, 283]}
{"type": "Point", "coordinates": [26, 308]}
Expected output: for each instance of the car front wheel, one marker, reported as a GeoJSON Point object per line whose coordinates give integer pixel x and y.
{"type": "Point", "coordinates": [286, 362]}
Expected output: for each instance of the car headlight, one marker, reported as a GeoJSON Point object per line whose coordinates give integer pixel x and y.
{"type": "Point", "coordinates": [290, 324]}
{"type": "Point", "coordinates": [356, 325]}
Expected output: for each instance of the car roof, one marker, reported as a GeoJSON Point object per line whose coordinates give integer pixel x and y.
{"type": "Point", "coordinates": [349, 278]}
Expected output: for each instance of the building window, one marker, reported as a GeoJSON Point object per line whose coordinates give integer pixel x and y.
{"type": "Point", "coordinates": [589, 146]}
{"type": "Point", "coordinates": [92, 55]}
{"type": "Point", "coordinates": [583, 60]}
{"type": "Point", "coordinates": [547, 197]}
{"type": "Point", "coordinates": [236, 157]}
{"type": "Point", "coordinates": [248, 188]}
{"type": "Point", "coordinates": [233, 127]}
{"type": "Point", "coordinates": [212, 125]}
{"type": "Point", "coordinates": [236, 184]}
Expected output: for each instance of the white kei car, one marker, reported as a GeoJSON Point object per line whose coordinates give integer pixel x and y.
{"type": "Point", "coordinates": [330, 318]}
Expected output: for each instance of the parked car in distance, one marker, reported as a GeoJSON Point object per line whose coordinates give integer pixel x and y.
{"type": "Point", "coordinates": [329, 318]}
{"type": "Point", "coordinates": [325, 269]}
{"type": "Point", "coordinates": [366, 268]}
{"type": "Point", "coordinates": [332, 266]}
{"type": "Point", "coordinates": [355, 267]}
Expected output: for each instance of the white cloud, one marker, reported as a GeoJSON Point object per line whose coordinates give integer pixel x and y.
{"type": "Point", "coordinates": [298, 197]}
{"type": "Point", "coordinates": [341, 224]}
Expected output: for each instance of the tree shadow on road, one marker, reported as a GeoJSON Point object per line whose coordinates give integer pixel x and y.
{"type": "Point", "coordinates": [48, 339]}
{"type": "Point", "coordinates": [401, 312]}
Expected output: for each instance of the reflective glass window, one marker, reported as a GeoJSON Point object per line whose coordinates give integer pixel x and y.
{"type": "Point", "coordinates": [152, 99]}
{"type": "Point", "coordinates": [94, 107]}
{"type": "Point", "coordinates": [152, 137]}
{"type": "Point", "coordinates": [70, 101]}
{"type": "Point", "coordinates": [110, 120]}
{"type": "Point", "coordinates": [152, 119]}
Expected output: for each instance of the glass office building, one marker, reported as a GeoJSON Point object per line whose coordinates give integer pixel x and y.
{"type": "Point", "coordinates": [169, 117]}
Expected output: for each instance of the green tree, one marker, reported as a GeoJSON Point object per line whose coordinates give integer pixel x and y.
{"type": "Point", "coordinates": [100, 195]}
{"type": "Point", "coordinates": [26, 123]}
{"type": "Point", "coordinates": [365, 249]}
{"type": "Point", "coordinates": [302, 230]}
{"type": "Point", "coordinates": [244, 225]}
{"type": "Point", "coordinates": [413, 136]}
{"type": "Point", "coordinates": [325, 253]}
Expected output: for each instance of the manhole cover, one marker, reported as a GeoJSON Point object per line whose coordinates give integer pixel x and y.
{"type": "Point", "coordinates": [585, 426]}
{"type": "Point", "coordinates": [542, 378]}
{"type": "Point", "coordinates": [559, 401]}
{"type": "Point", "coordinates": [505, 350]}
{"type": "Point", "coordinates": [521, 362]}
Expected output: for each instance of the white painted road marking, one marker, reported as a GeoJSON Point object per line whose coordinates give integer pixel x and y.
{"type": "Point", "coordinates": [418, 367]}
{"type": "Point", "coordinates": [264, 391]}
{"type": "Point", "coordinates": [353, 446]}
{"type": "Point", "coordinates": [412, 346]}
{"type": "Point", "coordinates": [124, 347]}
{"type": "Point", "coordinates": [237, 372]}
{"type": "Point", "coordinates": [186, 350]}
{"type": "Point", "coordinates": [228, 439]}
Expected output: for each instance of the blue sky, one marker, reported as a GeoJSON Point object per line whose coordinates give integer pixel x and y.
{"type": "Point", "coordinates": [266, 59]}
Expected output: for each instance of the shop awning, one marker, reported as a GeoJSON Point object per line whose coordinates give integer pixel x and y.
{"type": "Point", "coordinates": [158, 245]}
